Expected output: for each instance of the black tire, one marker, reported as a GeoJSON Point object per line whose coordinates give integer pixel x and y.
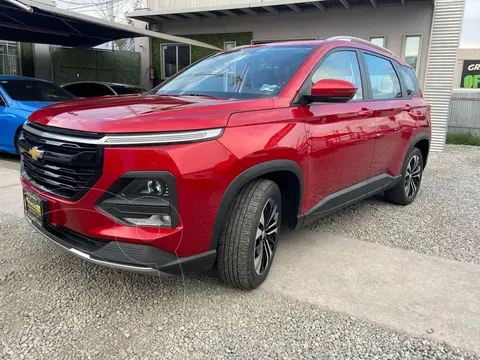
{"type": "Point", "coordinates": [398, 195]}
{"type": "Point", "coordinates": [238, 238]}
{"type": "Point", "coordinates": [15, 140]}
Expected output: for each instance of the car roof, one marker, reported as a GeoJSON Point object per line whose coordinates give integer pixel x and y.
{"type": "Point", "coordinates": [11, 77]}
{"type": "Point", "coordinates": [338, 42]}
{"type": "Point", "coordinates": [101, 83]}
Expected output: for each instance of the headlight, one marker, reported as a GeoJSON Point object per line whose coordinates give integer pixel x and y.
{"type": "Point", "coordinates": [142, 199]}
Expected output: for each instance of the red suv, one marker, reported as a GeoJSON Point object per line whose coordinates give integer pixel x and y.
{"type": "Point", "coordinates": [202, 171]}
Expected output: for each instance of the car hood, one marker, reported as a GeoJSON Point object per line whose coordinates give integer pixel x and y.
{"type": "Point", "coordinates": [144, 113]}
{"type": "Point", "coordinates": [32, 106]}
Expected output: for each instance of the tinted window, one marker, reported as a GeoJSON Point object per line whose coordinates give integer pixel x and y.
{"type": "Point", "coordinates": [31, 90]}
{"type": "Point", "coordinates": [383, 78]}
{"type": "Point", "coordinates": [341, 65]}
{"type": "Point", "coordinates": [410, 80]}
{"type": "Point", "coordinates": [88, 90]}
{"type": "Point", "coordinates": [124, 90]}
{"type": "Point", "coordinates": [244, 73]}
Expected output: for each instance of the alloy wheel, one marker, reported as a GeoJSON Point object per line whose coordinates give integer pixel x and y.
{"type": "Point", "coordinates": [413, 176]}
{"type": "Point", "coordinates": [266, 237]}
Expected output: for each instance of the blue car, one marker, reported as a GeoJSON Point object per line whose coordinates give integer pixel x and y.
{"type": "Point", "coordinates": [19, 97]}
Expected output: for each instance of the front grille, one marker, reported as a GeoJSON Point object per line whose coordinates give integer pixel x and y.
{"type": "Point", "coordinates": [66, 168]}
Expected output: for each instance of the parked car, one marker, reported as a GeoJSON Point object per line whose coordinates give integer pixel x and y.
{"type": "Point", "coordinates": [19, 97]}
{"type": "Point", "coordinates": [204, 172]}
{"type": "Point", "coordinates": [89, 89]}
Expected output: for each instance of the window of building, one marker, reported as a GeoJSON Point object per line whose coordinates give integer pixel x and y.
{"type": "Point", "coordinates": [411, 50]}
{"type": "Point", "coordinates": [378, 40]}
{"type": "Point", "coordinates": [229, 45]}
{"type": "Point", "coordinates": [383, 78]}
{"type": "Point", "coordinates": [175, 57]}
{"type": "Point", "coordinates": [341, 65]}
{"type": "Point", "coordinates": [410, 80]}
{"type": "Point", "coordinates": [9, 59]}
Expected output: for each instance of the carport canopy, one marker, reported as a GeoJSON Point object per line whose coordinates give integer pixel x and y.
{"type": "Point", "coordinates": [35, 22]}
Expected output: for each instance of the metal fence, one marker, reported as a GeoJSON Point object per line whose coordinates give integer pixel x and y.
{"type": "Point", "coordinates": [464, 114]}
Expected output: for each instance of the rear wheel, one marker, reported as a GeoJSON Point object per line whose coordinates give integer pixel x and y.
{"type": "Point", "coordinates": [407, 189]}
{"type": "Point", "coordinates": [249, 236]}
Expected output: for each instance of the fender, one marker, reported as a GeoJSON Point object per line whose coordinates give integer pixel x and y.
{"type": "Point", "coordinates": [416, 139]}
{"type": "Point", "coordinates": [247, 176]}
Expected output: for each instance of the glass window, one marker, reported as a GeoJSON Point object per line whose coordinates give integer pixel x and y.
{"type": "Point", "coordinates": [383, 78]}
{"type": "Point", "coordinates": [124, 90]}
{"type": "Point", "coordinates": [9, 60]}
{"type": "Point", "coordinates": [411, 50]}
{"type": "Point", "coordinates": [31, 90]}
{"type": "Point", "coordinates": [410, 80]}
{"type": "Point", "coordinates": [229, 45]}
{"type": "Point", "coordinates": [341, 65]}
{"type": "Point", "coordinates": [175, 58]}
{"type": "Point", "coordinates": [378, 40]}
{"type": "Point", "coordinates": [243, 73]}
{"type": "Point", "coordinates": [88, 90]}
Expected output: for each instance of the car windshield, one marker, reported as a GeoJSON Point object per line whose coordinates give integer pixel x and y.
{"type": "Point", "coordinates": [31, 90]}
{"type": "Point", "coordinates": [244, 73]}
{"type": "Point", "coordinates": [124, 90]}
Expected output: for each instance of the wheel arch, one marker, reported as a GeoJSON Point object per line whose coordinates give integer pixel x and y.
{"type": "Point", "coordinates": [15, 138]}
{"type": "Point", "coordinates": [281, 172]}
{"type": "Point", "coordinates": [422, 142]}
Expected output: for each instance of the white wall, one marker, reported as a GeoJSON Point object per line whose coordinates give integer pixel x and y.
{"type": "Point", "coordinates": [193, 4]}
{"type": "Point", "coordinates": [144, 47]}
{"type": "Point", "coordinates": [393, 21]}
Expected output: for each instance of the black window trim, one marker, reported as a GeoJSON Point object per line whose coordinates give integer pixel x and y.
{"type": "Point", "coordinates": [306, 86]}
{"type": "Point", "coordinates": [395, 68]}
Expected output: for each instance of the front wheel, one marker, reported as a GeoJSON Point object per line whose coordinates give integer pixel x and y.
{"type": "Point", "coordinates": [249, 235]}
{"type": "Point", "coordinates": [407, 189]}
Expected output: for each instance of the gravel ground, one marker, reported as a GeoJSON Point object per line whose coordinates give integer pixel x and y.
{"type": "Point", "coordinates": [66, 308]}
{"type": "Point", "coordinates": [443, 220]}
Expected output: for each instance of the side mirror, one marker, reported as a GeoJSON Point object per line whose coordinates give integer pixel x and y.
{"type": "Point", "coordinates": [331, 90]}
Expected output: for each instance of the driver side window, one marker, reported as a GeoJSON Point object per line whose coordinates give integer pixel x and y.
{"type": "Point", "coordinates": [341, 65]}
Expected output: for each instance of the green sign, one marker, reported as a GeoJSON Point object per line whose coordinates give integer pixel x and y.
{"type": "Point", "coordinates": [471, 74]}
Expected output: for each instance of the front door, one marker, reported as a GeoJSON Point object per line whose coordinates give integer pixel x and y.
{"type": "Point", "coordinates": [340, 137]}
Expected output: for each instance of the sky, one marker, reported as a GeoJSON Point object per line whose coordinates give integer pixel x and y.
{"type": "Point", "coordinates": [470, 37]}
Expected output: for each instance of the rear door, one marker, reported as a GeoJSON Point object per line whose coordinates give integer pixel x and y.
{"type": "Point", "coordinates": [340, 135]}
{"type": "Point", "coordinates": [389, 107]}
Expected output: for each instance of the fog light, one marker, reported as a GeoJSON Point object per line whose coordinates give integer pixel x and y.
{"type": "Point", "coordinates": [154, 187]}
{"type": "Point", "coordinates": [154, 220]}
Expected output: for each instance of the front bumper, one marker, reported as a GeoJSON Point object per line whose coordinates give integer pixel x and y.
{"type": "Point", "coordinates": [139, 258]}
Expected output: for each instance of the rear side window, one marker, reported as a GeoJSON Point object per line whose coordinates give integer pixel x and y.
{"type": "Point", "coordinates": [383, 78]}
{"type": "Point", "coordinates": [341, 65]}
{"type": "Point", "coordinates": [410, 80]}
{"type": "Point", "coordinates": [88, 90]}
{"type": "Point", "coordinates": [126, 90]}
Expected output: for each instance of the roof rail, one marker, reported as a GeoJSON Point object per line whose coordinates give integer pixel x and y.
{"type": "Point", "coordinates": [362, 41]}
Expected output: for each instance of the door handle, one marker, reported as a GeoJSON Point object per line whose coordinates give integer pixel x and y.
{"type": "Point", "coordinates": [407, 108]}
{"type": "Point", "coordinates": [365, 112]}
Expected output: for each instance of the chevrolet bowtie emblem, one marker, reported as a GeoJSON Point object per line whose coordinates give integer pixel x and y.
{"type": "Point", "coordinates": [35, 153]}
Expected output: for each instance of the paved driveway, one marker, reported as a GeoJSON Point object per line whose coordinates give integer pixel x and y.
{"type": "Point", "coordinates": [374, 281]}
